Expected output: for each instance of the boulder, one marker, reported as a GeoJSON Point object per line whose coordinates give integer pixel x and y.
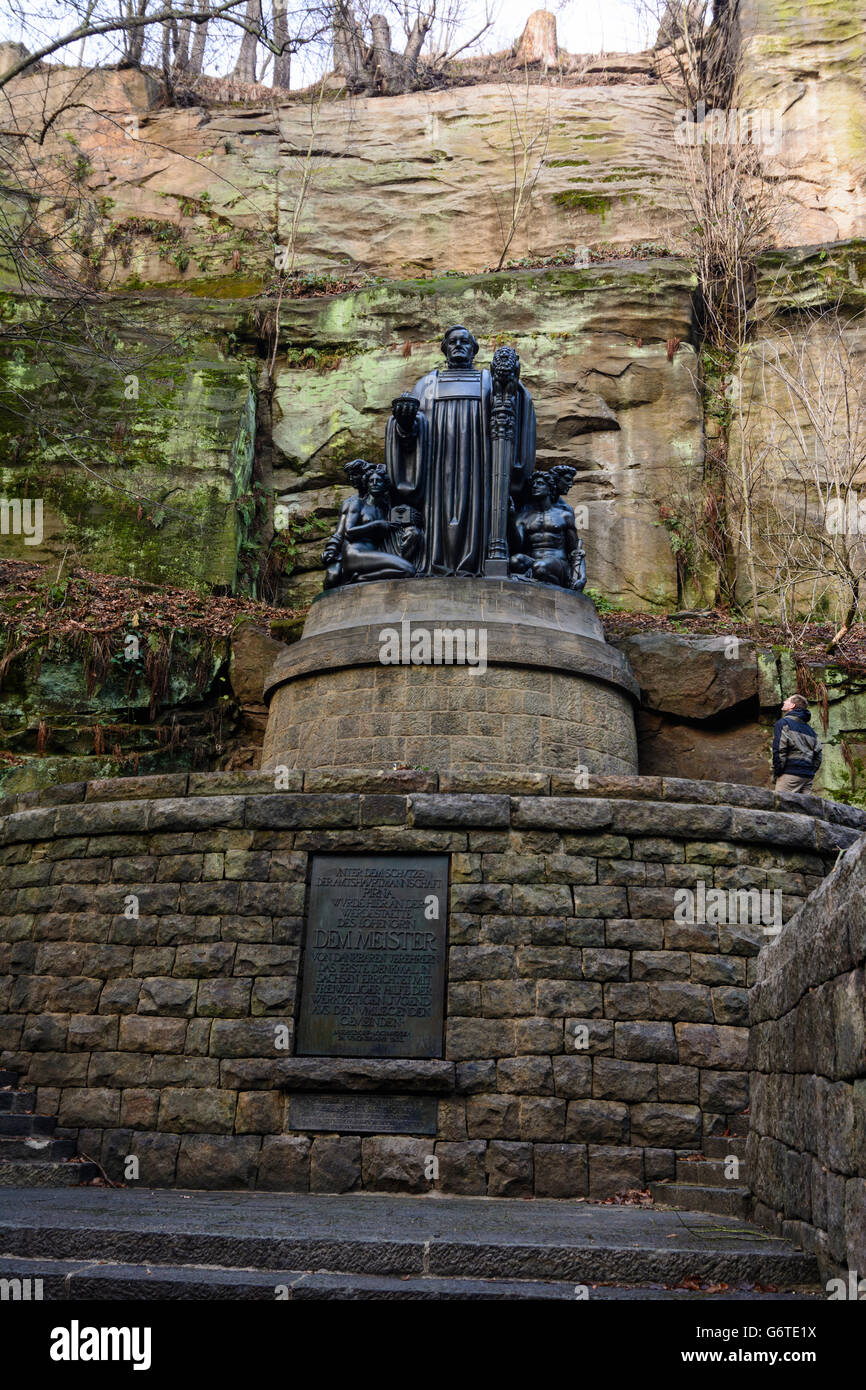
{"type": "Point", "coordinates": [694, 677]}
{"type": "Point", "coordinates": [253, 653]}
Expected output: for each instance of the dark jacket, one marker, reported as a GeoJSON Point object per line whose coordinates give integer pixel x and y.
{"type": "Point", "coordinates": [796, 746]}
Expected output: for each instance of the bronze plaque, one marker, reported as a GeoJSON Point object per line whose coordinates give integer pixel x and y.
{"type": "Point", "coordinates": [374, 956]}
{"type": "Point", "coordinates": [364, 1114]}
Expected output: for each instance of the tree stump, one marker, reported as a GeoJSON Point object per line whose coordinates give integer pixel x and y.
{"type": "Point", "coordinates": [538, 41]}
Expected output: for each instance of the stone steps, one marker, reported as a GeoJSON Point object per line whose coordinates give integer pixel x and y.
{"type": "Point", "coordinates": [723, 1201]}
{"type": "Point", "coordinates": [701, 1183]}
{"type": "Point", "coordinates": [37, 1146]}
{"type": "Point", "coordinates": [704, 1172]}
{"type": "Point", "coordinates": [17, 1102]}
{"type": "Point", "coordinates": [720, 1146]}
{"type": "Point", "coordinates": [34, 1172]}
{"type": "Point", "coordinates": [251, 1242]}
{"type": "Point", "coordinates": [84, 1280]}
{"type": "Point", "coordinates": [12, 1124]}
{"type": "Point", "coordinates": [30, 1156]}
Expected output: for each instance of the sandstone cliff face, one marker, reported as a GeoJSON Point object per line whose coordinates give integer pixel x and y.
{"type": "Point", "coordinates": [189, 207]}
{"type": "Point", "coordinates": [805, 64]}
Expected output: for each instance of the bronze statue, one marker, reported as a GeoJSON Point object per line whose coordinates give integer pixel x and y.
{"type": "Point", "coordinates": [438, 451]}
{"type": "Point", "coordinates": [545, 545]}
{"type": "Point", "coordinates": [458, 494]}
{"type": "Point", "coordinates": [367, 543]}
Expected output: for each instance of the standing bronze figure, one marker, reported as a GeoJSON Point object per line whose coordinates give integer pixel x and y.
{"type": "Point", "coordinates": [439, 456]}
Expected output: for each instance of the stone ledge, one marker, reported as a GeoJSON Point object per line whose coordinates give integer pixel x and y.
{"type": "Point", "coordinates": [364, 1074]}
{"type": "Point", "coordinates": [175, 786]}
{"type": "Point", "coordinates": [638, 805]}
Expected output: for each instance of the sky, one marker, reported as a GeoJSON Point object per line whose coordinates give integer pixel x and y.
{"type": "Point", "coordinates": [583, 26]}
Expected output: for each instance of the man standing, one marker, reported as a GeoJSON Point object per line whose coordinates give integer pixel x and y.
{"type": "Point", "coordinates": [796, 748]}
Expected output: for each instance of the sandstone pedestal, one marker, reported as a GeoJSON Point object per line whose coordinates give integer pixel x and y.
{"type": "Point", "coordinates": [544, 692]}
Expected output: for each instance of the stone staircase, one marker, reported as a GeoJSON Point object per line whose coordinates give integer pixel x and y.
{"type": "Point", "coordinates": [702, 1184]}
{"type": "Point", "coordinates": [30, 1156]}
{"type": "Point", "coordinates": [118, 1244]}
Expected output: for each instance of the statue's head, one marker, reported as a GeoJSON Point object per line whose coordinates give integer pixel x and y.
{"type": "Point", "coordinates": [377, 479]}
{"type": "Point", "coordinates": [356, 472]}
{"type": "Point", "coordinates": [459, 346]}
{"type": "Point", "coordinates": [541, 488]}
{"type": "Point", "coordinates": [562, 477]}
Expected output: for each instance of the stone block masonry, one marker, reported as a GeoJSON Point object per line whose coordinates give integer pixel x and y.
{"type": "Point", "coordinates": [150, 950]}
{"type": "Point", "coordinates": [807, 1129]}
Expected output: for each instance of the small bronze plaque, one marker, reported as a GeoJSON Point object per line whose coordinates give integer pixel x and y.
{"type": "Point", "coordinates": [364, 1114]}
{"type": "Point", "coordinates": [374, 956]}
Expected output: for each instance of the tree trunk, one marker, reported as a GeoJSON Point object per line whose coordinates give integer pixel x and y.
{"type": "Point", "coordinates": [538, 41]}
{"type": "Point", "coordinates": [420, 30]}
{"type": "Point", "coordinates": [283, 60]}
{"type": "Point", "coordinates": [165, 56]}
{"type": "Point", "coordinates": [181, 51]}
{"type": "Point", "coordinates": [199, 41]}
{"type": "Point", "coordinates": [349, 48]}
{"type": "Point", "coordinates": [386, 64]}
{"type": "Point", "coordinates": [136, 36]}
{"type": "Point", "coordinates": [245, 67]}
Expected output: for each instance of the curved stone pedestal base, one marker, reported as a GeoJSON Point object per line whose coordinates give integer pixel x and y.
{"type": "Point", "coordinates": [377, 680]}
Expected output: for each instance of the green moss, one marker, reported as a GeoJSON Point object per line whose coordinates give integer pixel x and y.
{"type": "Point", "coordinates": [594, 203]}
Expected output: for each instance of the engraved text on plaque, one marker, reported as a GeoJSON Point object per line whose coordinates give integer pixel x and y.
{"type": "Point", "coordinates": [374, 956]}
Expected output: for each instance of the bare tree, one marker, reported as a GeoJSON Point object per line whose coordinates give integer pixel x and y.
{"type": "Point", "coordinates": [529, 137]}
{"type": "Point", "coordinates": [245, 67]}
{"type": "Point", "coordinates": [282, 58]}
{"type": "Point", "coordinates": [363, 49]}
{"type": "Point", "coordinates": [805, 449]}
{"type": "Point", "coordinates": [199, 44]}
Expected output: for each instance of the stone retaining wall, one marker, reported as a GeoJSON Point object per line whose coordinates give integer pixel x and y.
{"type": "Point", "coordinates": [154, 1036]}
{"type": "Point", "coordinates": [807, 1141]}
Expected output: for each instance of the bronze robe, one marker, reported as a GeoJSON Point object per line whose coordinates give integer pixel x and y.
{"type": "Point", "coordinates": [444, 470]}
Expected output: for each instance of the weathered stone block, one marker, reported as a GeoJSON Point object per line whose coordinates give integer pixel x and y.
{"type": "Point", "coordinates": [224, 998]}
{"type": "Point", "coordinates": [645, 1042]}
{"type": "Point", "coordinates": [246, 1038]}
{"type": "Point", "coordinates": [396, 1164]}
{"type": "Point", "coordinates": [660, 965]}
{"type": "Point", "coordinates": [572, 1076]}
{"type": "Point", "coordinates": [284, 1164]}
{"type": "Point", "coordinates": [542, 1117]}
{"type": "Point", "coordinates": [218, 1161]}
{"type": "Point", "coordinates": [99, 1108]}
{"type": "Point", "coordinates": [259, 1112]}
{"type": "Point", "coordinates": [197, 1110]}
{"type": "Point", "coordinates": [494, 1116]}
{"type": "Point", "coordinates": [711, 1045]}
{"type": "Point", "coordinates": [531, 1076]}
{"type": "Point", "coordinates": [677, 1083]}
{"type": "Point", "coordinates": [139, 1034]}
{"type": "Point", "coordinates": [505, 999]}
{"type": "Point", "coordinates": [613, 1170]}
{"type": "Point", "coordinates": [666, 1126]}
{"type": "Point", "coordinates": [481, 963]}
{"type": "Point", "coordinates": [509, 1169]}
{"type": "Point", "coordinates": [479, 1037]}
{"type": "Point", "coordinates": [630, 1081]}
{"type": "Point", "coordinates": [139, 1109]}
{"type": "Point", "coordinates": [597, 1122]}
{"type": "Point", "coordinates": [462, 1168]}
{"type": "Point", "coordinates": [168, 996]}
{"type": "Point", "coordinates": [561, 1170]}
{"type": "Point", "coordinates": [335, 1164]}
